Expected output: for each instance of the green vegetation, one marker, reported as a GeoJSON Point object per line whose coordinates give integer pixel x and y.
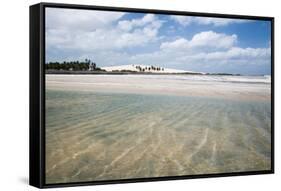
{"type": "Point", "coordinates": [72, 65]}
{"type": "Point", "coordinates": [149, 68]}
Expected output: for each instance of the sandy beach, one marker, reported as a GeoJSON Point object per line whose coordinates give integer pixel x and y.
{"type": "Point", "coordinates": [227, 87]}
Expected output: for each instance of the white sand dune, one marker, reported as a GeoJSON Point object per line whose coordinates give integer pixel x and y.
{"type": "Point", "coordinates": [134, 68]}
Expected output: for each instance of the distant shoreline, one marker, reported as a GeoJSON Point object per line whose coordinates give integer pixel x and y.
{"type": "Point", "coordinates": [130, 72]}
{"type": "Point", "coordinates": [186, 85]}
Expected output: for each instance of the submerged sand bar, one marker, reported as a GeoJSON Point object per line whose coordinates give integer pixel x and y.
{"type": "Point", "coordinates": [227, 87]}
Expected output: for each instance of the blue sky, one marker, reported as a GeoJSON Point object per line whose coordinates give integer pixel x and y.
{"type": "Point", "coordinates": [200, 44]}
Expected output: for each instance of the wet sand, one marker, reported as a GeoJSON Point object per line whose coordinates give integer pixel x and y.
{"type": "Point", "coordinates": [106, 128]}
{"type": "Point", "coordinates": [209, 86]}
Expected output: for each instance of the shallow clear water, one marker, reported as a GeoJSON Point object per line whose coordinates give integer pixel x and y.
{"type": "Point", "coordinates": [102, 136]}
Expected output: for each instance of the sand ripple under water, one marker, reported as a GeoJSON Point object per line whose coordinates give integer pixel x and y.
{"type": "Point", "coordinates": [103, 136]}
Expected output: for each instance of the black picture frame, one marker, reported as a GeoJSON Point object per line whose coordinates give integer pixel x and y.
{"type": "Point", "coordinates": [37, 94]}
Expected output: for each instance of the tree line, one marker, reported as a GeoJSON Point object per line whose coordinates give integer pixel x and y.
{"type": "Point", "coordinates": [87, 64]}
{"type": "Point", "coordinates": [149, 68]}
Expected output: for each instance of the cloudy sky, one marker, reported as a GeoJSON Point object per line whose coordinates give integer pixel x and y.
{"type": "Point", "coordinates": [181, 42]}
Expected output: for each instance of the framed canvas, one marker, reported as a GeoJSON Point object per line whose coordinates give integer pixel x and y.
{"type": "Point", "coordinates": [122, 95]}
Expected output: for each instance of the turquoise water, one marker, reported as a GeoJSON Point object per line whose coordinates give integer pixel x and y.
{"type": "Point", "coordinates": [102, 136]}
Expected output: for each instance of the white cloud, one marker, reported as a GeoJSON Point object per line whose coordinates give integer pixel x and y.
{"type": "Point", "coordinates": [99, 31]}
{"type": "Point", "coordinates": [187, 20]}
{"type": "Point", "coordinates": [183, 20]}
{"type": "Point", "coordinates": [75, 19]}
{"type": "Point", "coordinates": [128, 25]}
{"type": "Point", "coordinates": [233, 60]}
{"type": "Point", "coordinates": [204, 39]}
{"type": "Point", "coordinates": [218, 21]}
{"type": "Point", "coordinates": [208, 52]}
{"type": "Point", "coordinates": [177, 44]}
{"type": "Point", "coordinates": [240, 53]}
{"type": "Point", "coordinates": [213, 39]}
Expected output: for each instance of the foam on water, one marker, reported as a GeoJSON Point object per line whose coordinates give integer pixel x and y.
{"type": "Point", "coordinates": [102, 136]}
